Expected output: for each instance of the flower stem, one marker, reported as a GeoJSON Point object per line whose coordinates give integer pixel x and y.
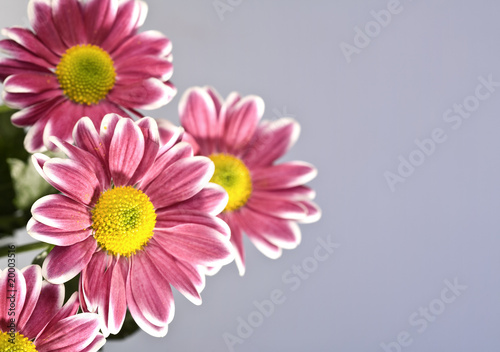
{"type": "Point", "coordinates": [4, 251]}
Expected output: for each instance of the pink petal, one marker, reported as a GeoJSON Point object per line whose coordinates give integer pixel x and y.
{"type": "Point", "coordinates": [212, 200]}
{"type": "Point", "coordinates": [68, 19]}
{"type": "Point", "coordinates": [148, 94]}
{"type": "Point", "coordinates": [285, 175]}
{"type": "Point", "coordinates": [195, 243]}
{"type": "Point", "coordinates": [61, 212]}
{"type": "Point", "coordinates": [313, 212]}
{"type": "Point", "coordinates": [23, 100]}
{"type": "Point", "coordinates": [280, 208]}
{"type": "Point", "coordinates": [12, 292]}
{"type": "Point", "coordinates": [216, 98]}
{"type": "Point", "coordinates": [72, 333]}
{"type": "Point", "coordinates": [33, 277]}
{"type": "Point", "coordinates": [64, 263]}
{"type": "Point", "coordinates": [107, 130]}
{"type": "Point", "coordinates": [87, 138]}
{"type": "Point", "coordinates": [236, 241]}
{"type": "Point", "coordinates": [30, 41]}
{"type": "Point", "coordinates": [134, 69]}
{"type": "Point", "coordinates": [272, 141]}
{"type": "Point", "coordinates": [175, 276]}
{"type": "Point", "coordinates": [49, 302]}
{"type": "Point", "coordinates": [145, 43]}
{"type": "Point", "coordinates": [125, 152]}
{"type": "Point", "coordinates": [165, 158]}
{"type": "Point", "coordinates": [293, 193]}
{"type": "Point", "coordinates": [169, 133]}
{"type": "Point", "coordinates": [151, 145]}
{"type": "Point", "coordinates": [183, 179]}
{"type": "Point", "coordinates": [95, 345]}
{"type": "Point", "coordinates": [28, 116]}
{"type": "Point", "coordinates": [127, 20]}
{"type": "Point", "coordinates": [195, 273]}
{"type": "Point", "coordinates": [40, 17]}
{"type": "Point", "coordinates": [73, 179]}
{"type": "Point", "coordinates": [63, 119]}
{"type": "Point", "coordinates": [11, 67]}
{"type": "Point", "coordinates": [70, 308]}
{"type": "Point", "coordinates": [20, 53]}
{"type": "Point", "coordinates": [99, 16]}
{"type": "Point", "coordinates": [150, 294]}
{"type": "Point", "coordinates": [198, 116]}
{"type": "Point", "coordinates": [168, 218]}
{"type": "Point", "coordinates": [33, 142]}
{"type": "Point", "coordinates": [117, 299]}
{"type": "Point", "coordinates": [240, 123]}
{"type": "Point", "coordinates": [58, 237]}
{"type": "Point", "coordinates": [91, 280]}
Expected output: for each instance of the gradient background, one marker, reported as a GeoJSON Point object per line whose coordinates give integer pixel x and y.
{"type": "Point", "coordinates": [396, 248]}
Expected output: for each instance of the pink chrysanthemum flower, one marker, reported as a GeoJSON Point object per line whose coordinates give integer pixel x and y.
{"type": "Point", "coordinates": [134, 218]}
{"type": "Point", "coordinates": [34, 319]}
{"type": "Point", "coordinates": [83, 58]}
{"type": "Point", "coordinates": [266, 201]}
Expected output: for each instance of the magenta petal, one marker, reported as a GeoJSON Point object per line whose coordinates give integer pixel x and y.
{"type": "Point", "coordinates": [134, 69]}
{"type": "Point", "coordinates": [33, 142]}
{"type": "Point", "coordinates": [117, 299]}
{"type": "Point", "coordinates": [19, 52]}
{"type": "Point", "coordinates": [30, 83]}
{"type": "Point", "coordinates": [107, 130]}
{"type": "Point", "coordinates": [198, 116]}
{"type": "Point", "coordinates": [40, 17]}
{"type": "Point", "coordinates": [125, 152]}
{"type": "Point", "coordinates": [73, 179]}
{"type": "Point", "coordinates": [10, 66]}
{"type": "Point", "coordinates": [280, 208]}
{"type": "Point", "coordinates": [212, 199]}
{"type": "Point", "coordinates": [71, 334]}
{"type": "Point", "coordinates": [95, 345]}
{"type": "Point", "coordinates": [68, 19]}
{"type": "Point", "coordinates": [286, 175]}
{"type": "Point", "coordinates": [64, 263]}
{"type": "Point", "coordinates": [33, 277]}
{"type": "Point", "coordinates": [296, 193]}
{"type": "Point", "coordinates": [87, 138]}
{"type": "Point", "coordinates": [30, 41]}
{"type": "Point", "coordinates": [99, 14]}
{"type": "Point", "coordinates": [23, 100]}
{"type": "Point", "coordinates": [70, 308]}
{"type": "Point", "coordinates": [145, 43]}
{"type": "Point", "coordinates": [184, 179]}
{"type": "Point", "coordinates": [91, 280]}
{"type": "Point", "coordinates": [197, 244]}
{"type": "Point", "coordinates": [169, 133]}
{"type": "Point", "coordinates": [240, 123]}
{"type": "Point", "coordinates": [28, 116]}
{"type": "Point", "coordinates": [58, 237]}
{"type": "Point", "coordinates": [62, 120]}
{"type": "Point", "coordinates": [272, 141]}
{"type": "Point", "coordinates": [49, 302]}
{"type": "Point", "coordinates": [236, 241]}
{"type": "Point", "coordinates": [61, 212]}
{"type": "Point", "coordinates": [151, 145]}
{"type": "Point", "coordinates": [175, 276]}
{"type": "Point", "coordinates": [148, 94]}
{"type": "Point", "coordinates": [151, 294]}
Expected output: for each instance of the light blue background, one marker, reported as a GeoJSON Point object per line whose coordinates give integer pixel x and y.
{"type": "Point", "coordinates": [396, 248]}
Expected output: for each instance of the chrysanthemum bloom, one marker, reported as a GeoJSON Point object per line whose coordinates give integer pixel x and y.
{"type": "Point", "coordinates": [34, 319]}
{"type": "Point", "coordinates": [266, 200]}
{"type": "Point", "coordinates": [134, 218]}
{"type": "Point", "coordinates": [83, 58]}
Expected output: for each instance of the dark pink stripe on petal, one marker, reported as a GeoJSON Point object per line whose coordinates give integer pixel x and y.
{"type": "Point", "coordinates": [99, 16]}
{"type": "Point", "coordinates": [11, 67]}
{"type": "Point", "coordinates": [58, 237]}
{"type": "Point", "coordinates": [125, 152]}
{"type": "Point", "coordinates": [183, 179]}
{"type": "Point", "coordinates": [20, 53]}
{"type": "Point", "coordinates": [64, 263]}
{"type": "Point", "coordinates": [71, 178]}
{"type": "Point", "coordinates": [286, 175]}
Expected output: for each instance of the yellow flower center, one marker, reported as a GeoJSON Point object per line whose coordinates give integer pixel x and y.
{"type": "Point", "coordinates": [123, 220]}
{"type": "Point", "coordinates": [15, 342]}
{"type": "Point", "coordinates": [232, 174]}
{"type": "Point", "coordinates": [86, 74]}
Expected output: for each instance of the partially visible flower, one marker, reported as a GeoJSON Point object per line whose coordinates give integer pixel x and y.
{"type": "Point", "coordinates": [83, 58]}
{"type": "Point", "coordinates": [34, 319]}
{"type": "Point", "coordinates": [134, 218]}
{"type": "Point", "coordinates": [266, 200]}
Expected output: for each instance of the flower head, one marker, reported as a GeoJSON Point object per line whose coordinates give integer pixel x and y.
{"type": "Point", "coordinates": [34, 319]}
{"type": "Point", "coordinates": [133, 219]}
{"type": "Point", "coordinates": [83, 58]}
{"type": "Point", "coordinates": [266, 200]}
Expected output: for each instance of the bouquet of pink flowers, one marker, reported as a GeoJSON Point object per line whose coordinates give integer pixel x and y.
{"type": "Point", "coordinates": [124, 207]}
